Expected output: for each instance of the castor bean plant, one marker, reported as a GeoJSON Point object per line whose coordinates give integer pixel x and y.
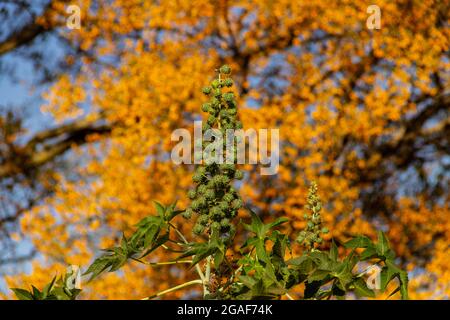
{"type": "Point", "coordinates": [266, 265]}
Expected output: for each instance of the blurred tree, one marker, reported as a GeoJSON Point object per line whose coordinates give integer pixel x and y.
{"type": "Point", "coordinates": [364, 112]}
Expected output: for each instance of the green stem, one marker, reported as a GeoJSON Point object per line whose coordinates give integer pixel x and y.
{"type": "Point", "coordinates": [162, 263]}
{"type": "Point", "coordinates": [197, 267]}
{"type": "Point", "coordinates": [186, 284]}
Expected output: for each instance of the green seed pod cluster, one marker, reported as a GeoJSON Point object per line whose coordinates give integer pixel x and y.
{"type": "Point", "coordinates": [214, 200]}
{"type": "Point", "coordinates": [311, 235]}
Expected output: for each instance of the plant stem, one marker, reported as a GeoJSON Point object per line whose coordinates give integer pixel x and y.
{"type": "Point", "coordinates": [162, 263]}
{"type": "Point", "coordinates": [207, 276]}
{"type": "Point", "coordinates": [197, 267]}
{"type": "Point", "coordinates": [186, 284]}
{"type": "Point", "coordinates": [289, 296]}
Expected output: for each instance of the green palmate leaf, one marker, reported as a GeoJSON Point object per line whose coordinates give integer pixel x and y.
{"type": "Point", "coordinates": [369, 253]}
{"type": "Point", "coordinates": [359, 242]}
{"type": "Point", "coordinates": [218, 258]}
{"type": "Point", "coordinates": [276, 223]}
{"type": "Point", "coordinates": [147, 232]}
{"type": "Point", "coordinates": [156, 244]}
{"type": "Point", "coordinates": [259, 228]}
{"type": "Point", "coordinates": [318, 275]}
{"type": "Point", "coordinates": [256, 226]}
{"type": "Point", "coordinates": [57, 289]}
{"type": "Point", "coordinates": [100, 264]}
{"type": "Point", "coordinates": [49, 287]}
{"type": "Point", "coordinates": [250, 242]}
{"type": "Point", "coordinates": [36, 293]}
{"type": "Point", "coordinates": [160, 209]}
{"type": "Point", "coordinates": [361, 289]}
{"type": "Point", "coordinates": [281, 243]}
{"type": "Point", "coordinates": [343, 272]}
{"type": "Point", "coordinates": [22, 294]}
{"type": "Point", "coordinates": [404, 280]}
{"type": "Point", "coordinates": [142, 242]}
{"type": "Point", "coordinates": [323, 261]}
{"type": "Point", "coordinates": [201, 251]}
{"type": "Point", "coordinates": [382, 245]}
{"type": "Point", "coordinates": [261, 250]}
{"type": "Point", "coordinates": [333, 254]}
{"type": "Point", "coordinates": [401, 275]}
{"type": "Point", "coordinates": [247, 281]}
{"type": "Point", "coordinates": [386, 275]}
{"type": "Point", "coordinates": [304, 264]}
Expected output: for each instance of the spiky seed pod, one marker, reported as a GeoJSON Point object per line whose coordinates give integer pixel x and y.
{"type": "Point", "coordinates": [316, 219]}
{"type": "Point", "coordinates": [202, 202]}
{"type": "Point", "coordinates": [301, 237]}
{"type": "Point", "coordinates": [195, 205]}
{"type": "Point", "coordinates": [237, 204]}
{"type": "Point", "coordinates": [238, 175]}
{"type": "Point", "coordinates": [216, 213]}
{"type": "Point", "coordinates": [215, 83]}
{"type": "Point", "coordinates": [201, 189]}
{"type": "Point", "coordinates": [192, 194]}
{"type": "Point", "coordinates": [187, 214]}
{"type": "Point", "coordinates": [224, 113]}
{"type": "Point", "coordinates": [210, 194]}
{"type": "Point", "coordinates": [325, 230]}
{"type": "Point", "coordinates": [201, 171]}
{"type": "Point", "coordinates": [239, 125]}
{"type": "Point", "coordinates": [212, 111]}
{"type": "Point", "coordinates": [214, 199]}
{"type": "Point", "coordinates": [203, 220]}
{"type": "Point", "coordinates": [215, 102]}
{"type": "Point", "coordinates": [232, 213]}
{"type": "Point", "coordinates": [228, 197]}
{"type": "Point", "coordinates": [215, 226]}
{"type": "Point", "coordinates": [227, 126]}
{"type": "Point", "coordinates": [197, 177]}
{"type": "Point", "coordinates": [223, 205]}
{"type": "Point", "coordinates": [211, 120]}
{"type": "Point", "coordinates": [225, 223]}
{"type": "Point", "coordinates": [228, 82]}
{"type": "Point", "coordinates": [206, 107]}
{"type": "Point", "coordinates": [231, 104]}
{"type": "Point", "coordinates": [206, 90]}
{"type": "Point", "coordinates": [220, 180]}
{"type": "Point", "coordinates": [198, 229]}
{"type": "Point", "coordinates": [232, 112]}
{"type": "Point", "coordinates": [228, 97]}
{"type": "Point", "coordinates": [225, 69]}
